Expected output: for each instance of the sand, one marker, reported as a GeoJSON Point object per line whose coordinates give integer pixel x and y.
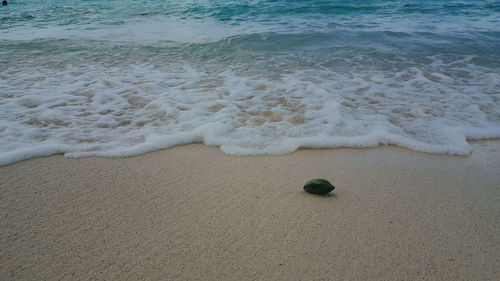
{"type": "Point", "coordinates": [194, 213]}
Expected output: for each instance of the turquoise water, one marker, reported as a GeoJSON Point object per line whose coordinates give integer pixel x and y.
{"type": "Point", "coordinates": [118, 78]}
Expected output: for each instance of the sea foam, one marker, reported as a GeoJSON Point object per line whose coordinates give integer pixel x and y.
{"type": "Point", "coordinates": [123, 111]}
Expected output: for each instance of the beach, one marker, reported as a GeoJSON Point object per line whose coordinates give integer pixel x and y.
{"type": "Point", "coordinates": [194, 213]}
{"type": "Point", "coordinates": [171, 140]}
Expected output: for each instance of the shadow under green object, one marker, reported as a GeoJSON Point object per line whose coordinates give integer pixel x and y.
{"type": "Point", "coordinates": [318, 186]}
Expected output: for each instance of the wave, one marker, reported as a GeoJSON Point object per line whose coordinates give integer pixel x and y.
{"type": "Point", "coordinates": [266, 105]}
{"type": "Point", "coordinates": [109, 78]}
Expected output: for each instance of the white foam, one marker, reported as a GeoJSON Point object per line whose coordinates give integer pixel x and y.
{"type": "Point", "coordinates": [104, 111]}
{"type": "Point", "coordinates": [174, 29]}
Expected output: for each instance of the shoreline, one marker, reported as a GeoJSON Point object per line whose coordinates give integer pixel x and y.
{"type": "Point", "coordinates": [192, 212]}
{"type": "Point", "coordinates": [46, 154]}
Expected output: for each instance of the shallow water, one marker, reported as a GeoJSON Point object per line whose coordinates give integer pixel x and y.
{"type": "Point", "coordinates": [115, 78]}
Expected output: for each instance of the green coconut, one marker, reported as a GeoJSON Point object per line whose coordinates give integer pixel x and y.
{"type": "Point", "coordinates": [318, 186]}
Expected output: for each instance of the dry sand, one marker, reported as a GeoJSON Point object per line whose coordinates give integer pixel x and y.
{"type": "Point", "coordinates": [194, 213]}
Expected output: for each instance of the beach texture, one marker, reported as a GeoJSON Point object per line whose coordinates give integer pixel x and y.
{"type": "Point", "coordinates": [195, 213]}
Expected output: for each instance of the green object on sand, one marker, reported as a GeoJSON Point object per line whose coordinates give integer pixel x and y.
{"type": "Point", "coordinates": [318, 186]}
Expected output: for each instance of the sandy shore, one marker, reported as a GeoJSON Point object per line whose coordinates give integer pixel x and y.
{"type": "Point", "coordinates": [194, 213]}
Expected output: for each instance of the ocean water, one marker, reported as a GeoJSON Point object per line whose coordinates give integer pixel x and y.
{"type": "Point", "coordinates": [123, 77]}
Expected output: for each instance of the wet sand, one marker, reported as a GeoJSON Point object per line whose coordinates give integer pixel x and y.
{"type": "Point", "coordinates": [195, 213]}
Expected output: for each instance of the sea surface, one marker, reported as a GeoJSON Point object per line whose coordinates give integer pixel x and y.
{"type": "Point", "coordinates": [123, 77]}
